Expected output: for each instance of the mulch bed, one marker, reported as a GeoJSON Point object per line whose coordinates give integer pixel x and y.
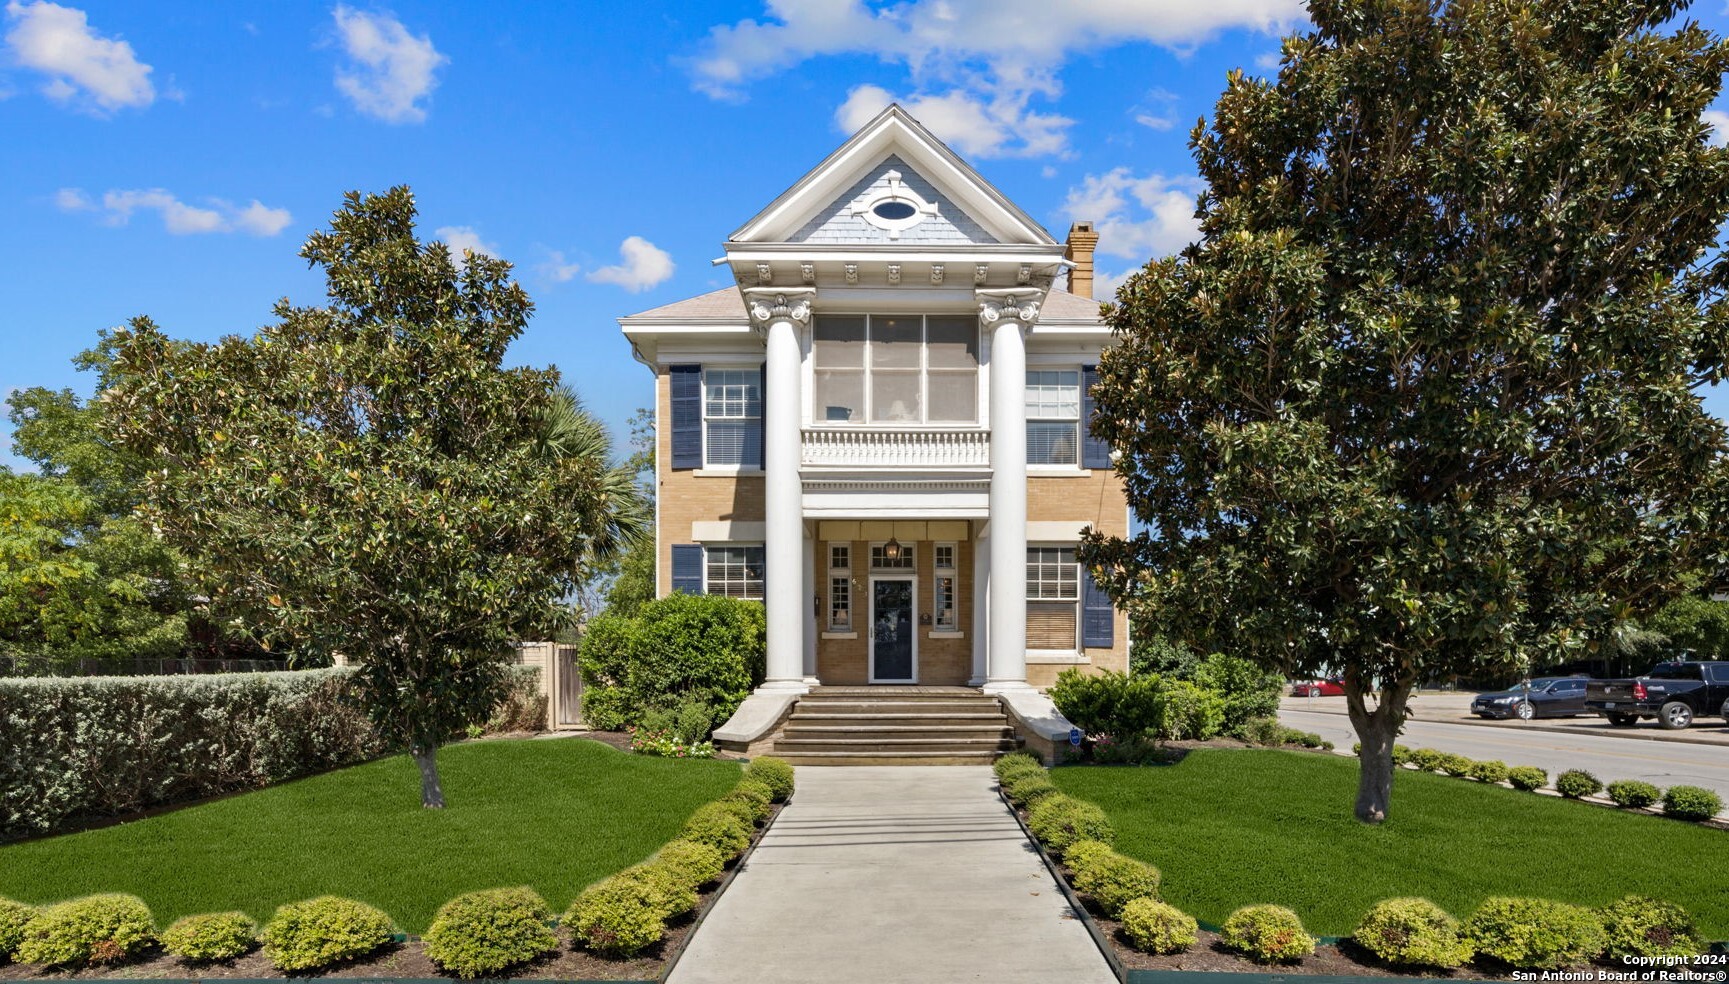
{"type": "Point", "coordinates": [409, 960]}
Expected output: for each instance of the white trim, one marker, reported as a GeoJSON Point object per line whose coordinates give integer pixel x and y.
{"type": "Point", "coordinates": [1050, 656]}
{"type": "Point", "coordinates": [911, 577]}
{"type": "Point", "coordinates": [745, 545]}
{"type": "Point", "coordinates": [726, 471]}
{"type": "Point", "coordinates": [840, 635]}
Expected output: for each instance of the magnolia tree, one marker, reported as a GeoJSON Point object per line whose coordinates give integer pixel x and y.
{"type": "Point", "coordinates": [1422, 400]}
{"type": "Point", "coordinates": [368, 478]}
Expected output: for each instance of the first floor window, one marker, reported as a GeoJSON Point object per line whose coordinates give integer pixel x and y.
{"type": "Point", "coordinates": [840, 586]}
{"type": "Point", "coordinates": [732, 417]}
{"type": "Point", "coordinates": [734, 571]}
{"type": "Point", "coordinates": [1053, 417]}
{"type": "Point", "coordinates": [943, 593]}
{"type": "Point", "coordinates": [1053, 598]}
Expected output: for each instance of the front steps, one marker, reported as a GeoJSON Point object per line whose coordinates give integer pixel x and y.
{"type": "Point", "coordinates": [895, 726]}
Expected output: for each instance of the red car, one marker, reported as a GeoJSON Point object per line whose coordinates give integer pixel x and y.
{"type": "Point", "coordinates": [1329, 687]}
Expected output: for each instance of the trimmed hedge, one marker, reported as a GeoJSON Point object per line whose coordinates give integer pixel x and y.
{"type": "Point", "coordinates": [672, 652]}
{"type": "Point", "coordinates": [1267, 934]}
{"type": "Point", "coordinates": [1633, 794]}
{"type": "Point", "coordinates": [482, 933]}
{"type": "Point", "coordinates": [1155, 927]}
{"type": "Point", "coordinates": [1533, 933]}
{"type": "Point", "coordinates": [1527, 777]}
{"type": "Point", "coordinates": [319, 932]}
{"type": "Point", "coordinates": [1412, 932]}
{"type": "Point", "coordinates": [1637, 926]}
{"type": "Point", "coordinates": [105, 746]}
{"type": "Point", "coordinates": [14, 916]}
{"type": "Point", "coordinates": [212, 936]}
{"type": "Point", "coordinates": [617, 917]}
{"type": "Point", "coordinates": [1691, 803]}
{"type": "Point", "coordinates": [698, 864]}
{"type": "Point", "coordinates": [97, 929]}
{"type": "Point", "coordinates": [720, 828]}
{"type": "Point", "coordinates": [1577, 784]}
{"type": "Point", "coordinates": [775, 773]}
{"type": "Point", "coordinates": [1059, 821]}
{"type": "Point", "coordinates": [1114, 881]}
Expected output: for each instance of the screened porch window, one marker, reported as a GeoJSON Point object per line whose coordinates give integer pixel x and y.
{"type": "Point", "coordinates": [895, 369]}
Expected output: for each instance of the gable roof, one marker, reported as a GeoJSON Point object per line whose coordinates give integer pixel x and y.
{"type": "Point", "coordinates": [893, 132]}
{"type": "Point", "coordinates": [727, 305]}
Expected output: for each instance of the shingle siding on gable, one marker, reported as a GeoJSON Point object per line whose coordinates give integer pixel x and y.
{"type": "Point", "coordinates": [835, 225]}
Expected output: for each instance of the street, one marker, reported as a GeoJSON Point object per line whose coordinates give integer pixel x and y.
{"type": "Point", "coordinates": [1663, 763]}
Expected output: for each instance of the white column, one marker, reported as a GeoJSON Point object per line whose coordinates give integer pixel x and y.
{"type": "Point", "coordinates": [814, 591]}
{"type": "Point", "coordinates": [1008, 315]}
{"type": "Point", "coordinates": [981, 605]}
{"type": "Point", "coordinates": [779, 314]}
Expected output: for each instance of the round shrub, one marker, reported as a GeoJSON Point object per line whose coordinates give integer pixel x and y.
{"type": "Point", "coordinates": [1401, 755]}
{"type": "Point", "coordinates": [719, 828]}
{"type": "Point", "coordinates": [1638, 926]}
{"type": "Point", "coordinates": [698, 864]}
{"type": "Point", "coordinates": [1527, 777]}
{"type": "Point", "coordinates": [1456, 765]}
{"type": "Point", "coordinates": [1267, 933]}
{"type": "Point", "coordinates": [1633, 794]}
{"type": "Point", "coordinates": [774, 773]}
{"type": "Point", "coordinates": [98, 929]}
{"type": "Point", "coordinates": [1691, 803]}
{"type": "Point", "coordinates": [1015, 762]}
{"type": "Point", "coordinates": [1027, 788]}
{"type": "Point", "coordinates": [1577, 784]}
{"type": "Point", "coordinates": [1084, 855]}
{"type": "Point", "coordinates": [617, 917]}
{"type": "Point", "coordinates": [757, 796]}
{"type": "Point", "coordinates": [1533, 933]}
{"type": "Point", "coordinates": [1491, 770]}
{"type": "Point", "coordinates": [1059, 821]}
{"type": "Point", "coordinates": [1412, 932]}
{"type": "Point", "coordinates": [14, 916]}
{"type": "Point", "coordinates": [214, 936]}
{"type": "Point", "coordinates": [1114, 881]}
{"type": "Point", "coordinates": [1154, 927]}
{"type": "Point", "coordinates": [744, 809]}
{"type": "Point", "coordinates": [670, 652]}
{"type": "Point", "coordinates": [482, 933]}
{"type": "Point", "coordinates": [322, 931]}
{"type": "Point", "coordinates": [676, 892]}
{"type": "Point", "coordinates": [1426, 759]}
{"type": "Point", "coordinates": [755, 785]}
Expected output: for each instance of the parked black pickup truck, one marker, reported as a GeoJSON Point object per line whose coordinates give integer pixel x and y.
{"type": "Point", "coordinates": [1673, 693]}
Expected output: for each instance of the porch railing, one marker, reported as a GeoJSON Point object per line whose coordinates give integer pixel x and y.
{"type": "Point", "coordinates": [892, 448]}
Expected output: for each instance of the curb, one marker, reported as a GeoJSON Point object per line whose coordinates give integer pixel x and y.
{"type": "Point", "coordinates": [720, 890]}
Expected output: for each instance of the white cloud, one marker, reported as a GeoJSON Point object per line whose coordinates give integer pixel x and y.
{"type": "Point", "coordinates": [1269, 61]}
{"type": "Point", "coordinates": [558, 269]}
{"type": "Point", "coordinates": [1719, 121]}
{"type": "Point", "coordinates": [1000, 127]}
{"type": "Point", "coordinates": [460, 238]}
{"type": "Point", "coordinates": [178, 217]}
{"type": "Point", "coordinates": [644, 266]}
{"type": "Point", "coordinates": [392, 70]}
{"type": "Point", "coordinates": [975, 64]}
{"type": "Point", "coordinates": [101, 73]}
{"type": "Point", "coordinates": [1137, 217]}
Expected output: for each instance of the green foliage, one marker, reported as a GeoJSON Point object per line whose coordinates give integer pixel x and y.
{"type": "Point", "coordinates": [523, 706]}
{"type": "Point", "coordinates": [212, 936]}
{"type": "Point", "coordinates": [1424, 398]}
{"type": "Point", "coordinates": [322, 931]}
{"type": "Point", "coordinates": [1456, 765]}
{"type": "Point", "coordinates": [1027, 788]}
{"type": "Point", "coordinates": [719, 828]}
{"type": "Point", "coordinates": [1151, 652]}
{"type": "Point", "coordinates": [1533, 933]}
{"type": "Point", "coordinates": [1154, 927]}
{"type": "Point", "coordinates": [1640, 926]}
{"type": "Point", "coordinates": [165, 739]}
{"type": "Point", "coordinates": [755, 800]}
{"type": "Point", "coordinates": [367, 477]}
{"type": "Point", "coordinates": [755, 785]}
{"type": "Point", "coordinates": [1694, 621]}
{"type": "Point", "coordinates": [1015, 762]}
{"type": "Point", "coordinates": [1247, 691]}
{"type": "Point", "coordinates": [1527, 777]}
{"type": "Point", "coordinates": [1401, 754]}
{"type": "Point", "coordinates": [1114, 881]}
{"type": "Point", "coordinates": [683, 656]}
{"type": "Point", "coordinates": [1191, 712]}
{"type": "Point", "coordinates": [1633, 794]}
{"type": "Point", "coordinates": [1083, 856]}
{"type": "Point", "coordinates": [1577, 784]}
{"type": "Point", "coordinates": [617, 917]}
{"type": "Point", "coordinates": [776, 773]}
{"type": "Point", "coordinates": [1125, 708]}
{"type": "Point", "coordinates": [1691, 803]}
{"type": "Point", "coordinates": [1427, 759]}
{"type": "Point", "coordinates": [741, 808]}
{"type": "Point", "coordinates": [697, 863]}
{"type": "Point", "coordinates": [97, 929]}
{"type": "Point", "coordinates": [1060, 821]}
{"type": "Point", "coordinates": [671, 886]}
{"type": "Point", "coordinates": [1267, 934]}
{"type": "Point", "coordinates": [1412, 932]}
{"type": "Point", "coordinates": [14, 916]}
{"type": "Point", "coordinates": [483, 933]}
{"type": "Point", "coordinates": [1489, 770]}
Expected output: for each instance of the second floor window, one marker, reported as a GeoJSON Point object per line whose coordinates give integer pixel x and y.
{"type": "Point", "coordinates": [895, 369]}
{"type": "Point", "coordinates": [732, 417]}
{"type": "Point", "coordinates": [1053, 417]}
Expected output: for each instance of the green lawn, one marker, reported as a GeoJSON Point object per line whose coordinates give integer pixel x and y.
{"type": "Point", "coordinates": [553, 814]}
{"type": "Point", "coordinates": [1230, 828]}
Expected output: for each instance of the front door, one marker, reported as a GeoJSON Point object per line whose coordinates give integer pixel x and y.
{"type": "Point", "coordinates": [892, 655]}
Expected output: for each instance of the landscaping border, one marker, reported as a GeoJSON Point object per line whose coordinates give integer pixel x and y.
{"type": "Point", "coordinates": [1074, 901]}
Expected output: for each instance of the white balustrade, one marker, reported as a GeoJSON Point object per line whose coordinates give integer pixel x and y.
{"type": "Point", "coordinates": [907, 448]}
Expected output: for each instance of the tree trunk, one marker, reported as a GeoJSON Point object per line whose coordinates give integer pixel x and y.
{"type": "Point", "coordinates": [431, 790]}
{"type": "Point", "coordinates": [1376, 730]}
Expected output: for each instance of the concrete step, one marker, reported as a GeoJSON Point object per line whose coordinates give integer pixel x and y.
{"type": "Point", "coordinates": [798, 729]}
{"type": "Point", "coordinates": [891, 715]}
{"type": "Point", "coordinates": [889, 758]}
{"type": "Point", "coordinates": [873, 743]}
{"type": "Point", "coordinates": [922, 706]}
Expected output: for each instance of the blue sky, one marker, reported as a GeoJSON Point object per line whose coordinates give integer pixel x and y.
{"type": "Point", "coordinates": [169, 158]}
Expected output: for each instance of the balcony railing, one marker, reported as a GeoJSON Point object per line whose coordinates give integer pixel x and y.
{"type": "Point", "coordinates": [912, 449]}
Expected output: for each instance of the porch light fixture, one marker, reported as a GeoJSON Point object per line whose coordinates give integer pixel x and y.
{"type": "Point", "coordinates": [892, 549]}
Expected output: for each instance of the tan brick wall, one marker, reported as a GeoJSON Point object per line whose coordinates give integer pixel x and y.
{"type": "Point", "coordinates": [942, 661]}
{"type": "Point", "coordinates": [685, 497]}
{"type": "Point", "coordinates": [1096, 499]}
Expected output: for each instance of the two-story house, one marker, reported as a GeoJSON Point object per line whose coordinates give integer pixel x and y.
{"type": "Point", "coordinates": [880, 432]}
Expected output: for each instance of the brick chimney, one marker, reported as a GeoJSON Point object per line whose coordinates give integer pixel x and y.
{"type": "Point", "coordinates": [1079, 250]}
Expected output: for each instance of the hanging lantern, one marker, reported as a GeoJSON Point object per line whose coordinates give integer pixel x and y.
{"type": "Point", "coordinates": [892, 550]}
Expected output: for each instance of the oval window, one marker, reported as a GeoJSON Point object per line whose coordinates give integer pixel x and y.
{"type": "Point", "coordinates": [893, 210]}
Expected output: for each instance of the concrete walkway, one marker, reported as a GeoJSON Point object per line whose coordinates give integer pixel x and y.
{"type": "Point", "coordinates": [885, 874]}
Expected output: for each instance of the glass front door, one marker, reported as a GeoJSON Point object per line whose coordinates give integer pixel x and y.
{"type": "Point", "coordinates": [892, 627]}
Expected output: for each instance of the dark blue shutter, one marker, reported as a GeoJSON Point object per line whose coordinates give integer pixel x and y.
{"type": "Point", "coordinates": [686, 382]}
{"type": "Point", "coordinates": [1094, 452]}
{"type": "Point", "coordinates": [687, 568]}
{"type": "Point", "coordinates": [1098, 621]}
{"type": "Point", "coordinates": [761, 423]}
